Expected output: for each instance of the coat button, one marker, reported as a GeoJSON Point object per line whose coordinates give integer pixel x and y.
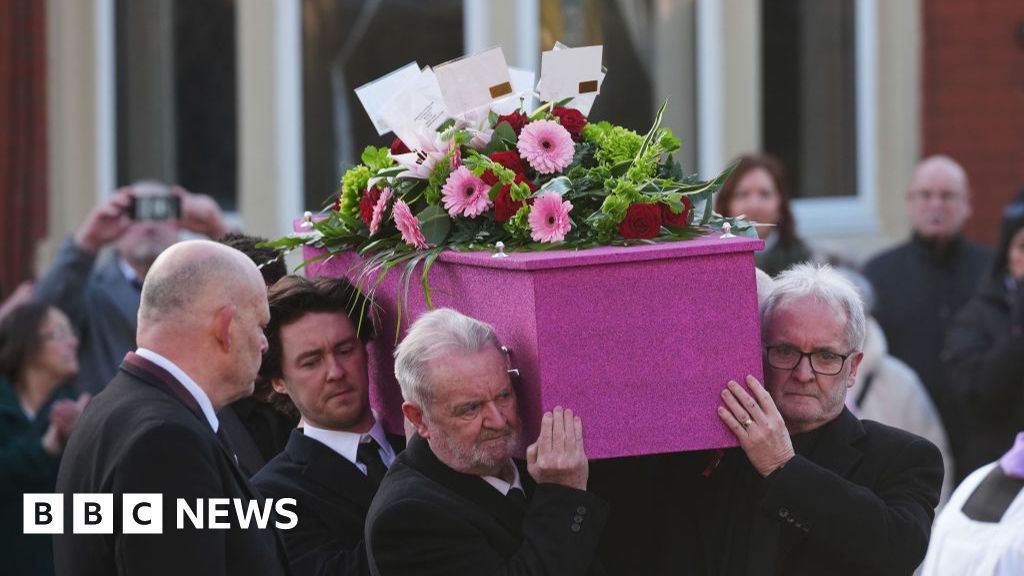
{"type": "Point", "coordinates": [577, 519]}
{"type": "Point", "coordinates": [581, 510]}
{"type": "Point", "coordinates": [575, 527]}
{"type": "Point", "coordinates": [783, 513]}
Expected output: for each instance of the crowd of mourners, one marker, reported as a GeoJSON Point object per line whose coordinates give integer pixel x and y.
{"type": "Point", "coordinates": [885, 437]}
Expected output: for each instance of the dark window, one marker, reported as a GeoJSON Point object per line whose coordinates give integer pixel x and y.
{"type": "Point", "coordinates": [809, 93]}
{"type": "Point", "coordinates": [176, 97]}
{"type": "Point", "coordinates": [345, 44]}
{"type": "Point", "coordinates": [625, 29]}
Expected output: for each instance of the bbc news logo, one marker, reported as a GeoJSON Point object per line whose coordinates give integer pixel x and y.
{"type": "Point", "coordinates": [144, 513]}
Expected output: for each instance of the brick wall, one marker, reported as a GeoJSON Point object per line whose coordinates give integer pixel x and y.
{"type": "Point", "coordinates": [973, 98]}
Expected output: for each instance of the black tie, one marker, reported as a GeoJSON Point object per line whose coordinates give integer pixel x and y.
{"type": "Point", "coordinates": [368, 455]}
{"type": "Point", "coordinates": [517, 495]}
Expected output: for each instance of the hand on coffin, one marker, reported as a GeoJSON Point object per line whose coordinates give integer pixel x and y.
{"type": "Point", "coordinates": [557, 457]}
{"type": "Point", "coordinates": [757, 424]}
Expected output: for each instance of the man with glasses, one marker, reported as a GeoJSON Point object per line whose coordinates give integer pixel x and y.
{"type": "Point", "coordinates": [814, 490]}
{"type": "Point", "coordinates": [921, 284]}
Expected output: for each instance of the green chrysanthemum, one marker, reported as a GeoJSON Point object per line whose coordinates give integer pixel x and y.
{"type": "Point", "coordinates": [353, 183]}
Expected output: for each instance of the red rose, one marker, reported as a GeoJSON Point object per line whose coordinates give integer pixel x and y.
{"type": "Point", "coordinates": [399, 147]}
{"type": "Point", "coordinates": [366, 204]}
{"type": "Point", "coordinates": [489, 178]}
{"type": "Point", "coordinates": [681, 219]}
{"type": "Point", "coordinates": [642, 221]}
{"type": "Point", "coordinates": [572, 120]}
{"type": "Point", "coordinates": [510, 160]}
{"type": "Point", "coordinates": [504, 207]}
{"type": "Point", "coordinates": [516, 120]}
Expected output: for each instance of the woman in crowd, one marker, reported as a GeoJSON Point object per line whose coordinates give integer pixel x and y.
{"type": "Point", "coordinates": [38, 353]}
{"type": "Point", "coordinates": [757, 189]}
{"type": "Point", "coordinates": [985, 350]}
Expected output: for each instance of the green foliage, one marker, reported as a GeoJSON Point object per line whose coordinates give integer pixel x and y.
{"type": "Point", "coordinates": [377, 159]}
{"type": "Point", "coordinates": [434, 223]}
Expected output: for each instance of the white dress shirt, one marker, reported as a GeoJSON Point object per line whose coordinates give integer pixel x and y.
{"type": "Point", "coordinates": [201, 398]}
{"type": "Point", "coordinates": [346, 444]}
{"type": "Point", "coordinates": [502, 486]}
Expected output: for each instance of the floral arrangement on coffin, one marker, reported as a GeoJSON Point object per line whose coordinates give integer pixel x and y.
{"type": "Point", "coordinates": [530, 181]}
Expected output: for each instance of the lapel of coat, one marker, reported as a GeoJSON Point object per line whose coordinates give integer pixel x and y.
{"type": "Point", "coordinates": [835, 448]}
{"type": "Point", "coordinates": [150, 373]}
{"type": "Point", "coordinates": [330, 470]}
{"type": "Point", "coordinates": [472, 488]}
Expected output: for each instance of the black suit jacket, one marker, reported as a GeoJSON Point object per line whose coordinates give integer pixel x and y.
{"type": "Point", "coordinates": [860, 500]}
{"type": "Point", "coordinates": [333, 497]}
{"type": "Point", "coordinates": [428, 519]}
{"type": "Point", "coordinates": [145, 434]}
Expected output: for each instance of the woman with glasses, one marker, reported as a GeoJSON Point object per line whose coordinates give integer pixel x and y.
{"type": "Point", "coordinates": [38, 353]}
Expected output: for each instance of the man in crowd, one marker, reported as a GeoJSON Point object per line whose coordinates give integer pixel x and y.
{"type": "Point", "coordinates": [154, 428]}
{"type": "Point", "coordinates": [813, 490]}
{"type": "Point", "coordinates": [101, 294]}
{"type": "Point", "coordinates": [921, 284]}
{"type": "Point", "coordinates": [333, 464]}
{"type": "Point", "coordinates": [256, 429]}
{"type": "Point", "coordinates": [455, 503]}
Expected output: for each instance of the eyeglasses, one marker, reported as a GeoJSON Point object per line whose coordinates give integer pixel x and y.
{"type": "Point", "coordinates": [513, 373]}
{"type": "Point", "coordinates": [822, 361]}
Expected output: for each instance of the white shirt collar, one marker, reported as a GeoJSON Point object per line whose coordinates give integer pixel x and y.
{"type": "Point", "coordinates": [201, 398]}
{"type": "Point", "coordinates": [502, 486]}
{"type": "Point", "coordinates": [129, 273]}
{"type": "Point", "coordinates": [346, 444]}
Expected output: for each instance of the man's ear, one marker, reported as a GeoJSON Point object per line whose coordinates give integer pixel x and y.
{"type": "Point", "coordinates": [414, 414]}
{"type": "Point", "coordinates": [222, 326]}
{"type": "Point", "coordinates": [278, 385]}
{"type": "Point", "coordinates": [854, 364]}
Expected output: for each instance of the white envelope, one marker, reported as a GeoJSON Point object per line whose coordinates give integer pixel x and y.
{"type": "Point", "coordinates": [474, 81]}
{"type": "Point", "coordinates": [571, 73]}
{"type": "Point", "coordinates": [522, 93]}
{"type": "Point", "coordinates": [376, 94]}
{"type": "Point", "coordinates": [416, 109]}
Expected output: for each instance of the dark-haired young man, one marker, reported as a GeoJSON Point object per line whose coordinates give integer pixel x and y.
{"type": "Point", "coordinates": [334, 462]}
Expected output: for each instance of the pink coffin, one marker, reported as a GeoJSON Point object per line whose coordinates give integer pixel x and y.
{"type": "Point", "coordinates": [638, 341]}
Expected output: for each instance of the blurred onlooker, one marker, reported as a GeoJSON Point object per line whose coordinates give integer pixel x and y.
{"type": "Point", "coordinates": [258, 431]}
{"type": "Point", "coordinates": [886, 390]}
{"type": "Point", "coordinates": [985, 351]}
{"type": "Point", "coordinates": [21, 295]}
{"type": "Point", "coordinates": [101, 294]}
{"type": "Point", "coordinates": [981, 531]}
{"type": "Point", "coordinates": [921, 284]}
{"type": "Point", "coordinates": [757, 188]}
{"type": "Point", "coordinates": [37, 355]}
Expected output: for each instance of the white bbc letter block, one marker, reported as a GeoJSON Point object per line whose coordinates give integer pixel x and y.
{"type": "Point", "coordinates": [142, 514]}
{"type": "Point", "coordinates": [43, 514]}
{"type": "Point", "coordinates": [93, 514]}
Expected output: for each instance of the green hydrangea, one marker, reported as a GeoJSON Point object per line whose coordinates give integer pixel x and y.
{"type": "Point", "coordinates": [353, 183]}
{"type": "Point", "coordinates": [617, 144]}
{"type": "Point", "coordinates": [614, 207]}
{"type": "Point", "coordinates": [518, 226]}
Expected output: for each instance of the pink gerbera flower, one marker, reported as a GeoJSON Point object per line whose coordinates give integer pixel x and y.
{"type": "Point", "coordinates": [409, 226]}
{"type": "Point", "coordinates": [549, 218]}
{"type": "Point", "coordinates": [546, 145]}
{"type": "Point", "coordinates": [378, 210]}
{"type": "Point", "coordinates": [464, 193]}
